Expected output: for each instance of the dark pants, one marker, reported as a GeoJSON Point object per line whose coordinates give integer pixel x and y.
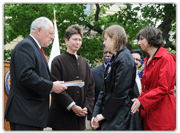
{"type": "Point", "coordinates": [17, 127]}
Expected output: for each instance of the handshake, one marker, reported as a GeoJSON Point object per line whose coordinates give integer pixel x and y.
{"type": "Point", "coordinates": [58, 87]}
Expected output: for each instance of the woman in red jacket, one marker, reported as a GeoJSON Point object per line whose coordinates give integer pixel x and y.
{"type": "Point", "coordinates": [157, 100]}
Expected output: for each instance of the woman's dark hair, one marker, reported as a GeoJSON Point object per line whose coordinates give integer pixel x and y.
{"type": "Point", "coordinates": [153, 36]}
{"type": "Point", "coordinates": [73, 29]}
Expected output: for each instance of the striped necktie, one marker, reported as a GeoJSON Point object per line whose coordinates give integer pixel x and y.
{"type": "Point", "coordinates": [107, 70]}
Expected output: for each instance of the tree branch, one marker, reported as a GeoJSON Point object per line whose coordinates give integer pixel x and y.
{"type": "Point", "coordinates": [166, 26]}
{"type": "Point", "coordinates": [97, 12]}
{"type": "Point", "coordinates": [97, 29]}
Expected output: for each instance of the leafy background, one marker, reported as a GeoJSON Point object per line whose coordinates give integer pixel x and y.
{"type": "Point", "coordinates": [18, 18]}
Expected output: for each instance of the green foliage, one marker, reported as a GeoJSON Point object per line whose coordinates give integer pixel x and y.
{"type": "Point", "coordinates": [7, 55]}
{"type": "Point", "coordinates": [18, 18]}
{"type": "Point", "coordinates": [93, 52]}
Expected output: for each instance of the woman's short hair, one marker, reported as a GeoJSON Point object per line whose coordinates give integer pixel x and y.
{"type": "Point", "coordinates": [152, 35]}
{"type": "Point", "coordinates": [73, 29]}
{"type": "Point", "coordinates": [42, 22]}
{"type": "Point", "coordinates": [118, 33]}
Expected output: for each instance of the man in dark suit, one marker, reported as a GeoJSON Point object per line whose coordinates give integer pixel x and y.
{"type": "Point", "coordinates": [98, 74]}
{"type": "Point", "coordinates": [28, 101]}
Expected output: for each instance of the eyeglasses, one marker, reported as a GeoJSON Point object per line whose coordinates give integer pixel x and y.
{"type": "Point", "coordinates": [75, 39]}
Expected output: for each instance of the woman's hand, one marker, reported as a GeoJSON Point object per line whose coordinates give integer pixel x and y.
{"type": "Point", "coordinates": [99, 118]}
{"type": "Point", "coordinates": [79, 111]}
{"type": "Point", "coordinates": [84, 112]}
{"type": "Point", "coordinates": [94, 123]}
{"type": "Point", "coordinates": [135, 105]}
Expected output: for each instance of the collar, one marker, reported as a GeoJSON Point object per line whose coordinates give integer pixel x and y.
{"type": "Point", "coordinates": [160, 52]}
{"type": "Point", "coordinates": [163, 51]}
{"type": "Point", "coordinates": [123, 48]}
{"type": "Point", "coordinates": [116, 56]}
{"type": "Point", "coordinates": [36, 41]}
{"type": "Point", "coordinates": [72, 55]}
{"type": "Point", "coordinates": [105, 65]}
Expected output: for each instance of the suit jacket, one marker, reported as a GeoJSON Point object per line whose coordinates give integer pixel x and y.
{"type": "Point", "coordinates": [28, 100]}
{"type": "Point", "coordinates": [98, 75]}
{"type": "Point", "coordinates": [66, 67]}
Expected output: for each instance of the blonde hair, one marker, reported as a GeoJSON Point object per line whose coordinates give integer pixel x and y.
{"type": "Point", "coordinates": [118, 33]}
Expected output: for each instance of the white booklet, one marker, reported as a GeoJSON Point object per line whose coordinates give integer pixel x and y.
{"type": "Point", "coordinates": [74, 83]}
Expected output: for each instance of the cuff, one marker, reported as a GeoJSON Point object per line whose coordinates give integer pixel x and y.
{"type": "Point", "coordinates": [70, 105]}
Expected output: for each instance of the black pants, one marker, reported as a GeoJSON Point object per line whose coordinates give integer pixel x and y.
{"type": "Point", "coordinates": [18, 127]}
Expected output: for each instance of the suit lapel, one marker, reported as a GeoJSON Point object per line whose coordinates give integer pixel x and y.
{"type": "Point", "coordinates": [42, 56]}
{"type": "Point", "coordinates": [102, 70]}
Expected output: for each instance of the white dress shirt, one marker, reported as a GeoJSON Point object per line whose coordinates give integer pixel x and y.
{"type": "Point", "coordinates": [36, 41]}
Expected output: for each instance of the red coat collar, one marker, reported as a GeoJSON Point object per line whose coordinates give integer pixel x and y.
{"type": "Point", "coordinates": [160, 53]}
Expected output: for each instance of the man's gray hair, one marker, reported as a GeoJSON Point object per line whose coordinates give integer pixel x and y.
{"type": "Point", "coordinates": [41, 22]}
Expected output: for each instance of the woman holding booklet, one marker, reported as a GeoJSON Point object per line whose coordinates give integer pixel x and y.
{"type": "Point", "coordinates": [69, 108]}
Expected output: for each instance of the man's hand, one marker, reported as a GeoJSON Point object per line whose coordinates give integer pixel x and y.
{"type": "Point", "coordinates": [58, 87]}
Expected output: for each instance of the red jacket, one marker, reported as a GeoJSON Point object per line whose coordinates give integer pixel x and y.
{"type": "Point", "coordinates": [157, 97]}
